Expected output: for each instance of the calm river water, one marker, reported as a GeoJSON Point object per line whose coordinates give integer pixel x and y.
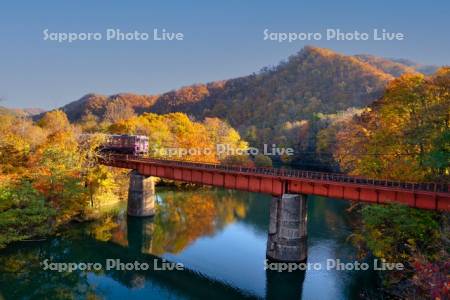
{"type": "Point", "coordinates": [218, 235]}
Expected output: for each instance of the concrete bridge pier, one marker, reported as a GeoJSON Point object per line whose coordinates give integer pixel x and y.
{"type": "Point", "coordinates": [141, 195]}
{"type": "Point", "coordinates": [287, 229]}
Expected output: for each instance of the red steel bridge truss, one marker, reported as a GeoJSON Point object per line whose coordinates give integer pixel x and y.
{"type": "Point", "coordinates": [432, 196]}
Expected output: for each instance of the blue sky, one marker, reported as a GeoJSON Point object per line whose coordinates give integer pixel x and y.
{"type": "Point", "coordinates": [222, 39]}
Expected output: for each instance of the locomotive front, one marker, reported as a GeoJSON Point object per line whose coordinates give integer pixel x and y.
{"type": "Point", "coordinates": [126, 144]}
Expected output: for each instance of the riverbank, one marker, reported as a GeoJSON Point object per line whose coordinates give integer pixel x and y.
{"type": "Point", "coordinates": [417, 239]}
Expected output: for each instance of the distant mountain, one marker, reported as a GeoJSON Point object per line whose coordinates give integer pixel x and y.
{"type": "Point", "coordinates": [29, 112]}
{"type": "Point", "coordinates": [386, 65]}
{"type": "Point", "coordinates": [425, 69]}
{"type": "Point", "coordinates": [396, 67]}
{"type": "Point", "coordinates": [267, 106]}
{"type": "Point", "coordinates": [97, 105]}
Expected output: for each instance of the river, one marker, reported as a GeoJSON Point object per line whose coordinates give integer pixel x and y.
{"type": "Point", "coordinates": [219, 236]}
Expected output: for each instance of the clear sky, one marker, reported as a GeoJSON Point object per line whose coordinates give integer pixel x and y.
{"type": "Point", "coordinates": [222, 39]}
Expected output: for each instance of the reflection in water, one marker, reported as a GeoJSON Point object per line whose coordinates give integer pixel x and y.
{"type": "Point", "coordinates": [182, 218]}
{"type": "Point", "coordinates": [22, 276]}
{"type": "Point", "coordinates": [219, 236]}
{"type": "Point", "coordinates": [140, 234]}
{"type": "Point", "coordinates": [284, 285]}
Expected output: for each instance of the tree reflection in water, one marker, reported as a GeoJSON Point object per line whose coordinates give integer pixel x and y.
{"type": "Point", "coordinates": [181, 219]}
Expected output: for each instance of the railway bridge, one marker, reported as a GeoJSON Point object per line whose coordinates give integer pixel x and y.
{"type": "Point", "coordinates": [289, 188]}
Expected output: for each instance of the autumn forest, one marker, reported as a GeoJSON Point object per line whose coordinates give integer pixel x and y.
{"type": "Point", "coordinates": [360, 115]}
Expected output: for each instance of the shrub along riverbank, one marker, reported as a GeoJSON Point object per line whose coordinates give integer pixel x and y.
{"type": "Point", "coordinates": [416, 238]}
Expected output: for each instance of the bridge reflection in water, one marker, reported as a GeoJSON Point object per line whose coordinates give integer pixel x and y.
{"type": "Point", "coordinates": [218, 235]}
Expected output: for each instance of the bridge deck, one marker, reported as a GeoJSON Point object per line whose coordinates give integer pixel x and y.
{"type": "Point", "coordinates": [279, 181]}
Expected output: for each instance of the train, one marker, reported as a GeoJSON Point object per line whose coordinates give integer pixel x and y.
{"type": "Point", "coordinates": [126, 144]}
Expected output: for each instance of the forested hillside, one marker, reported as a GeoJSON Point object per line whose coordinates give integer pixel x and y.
{"type": "Point", "coordinates": [266, 107]}
{"type": "Point", "coordinates": [286, 104]}
{"type": "Point", "coordinates": [405, 135]}
{"type": "Point", "coordinates": [260, 105]}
